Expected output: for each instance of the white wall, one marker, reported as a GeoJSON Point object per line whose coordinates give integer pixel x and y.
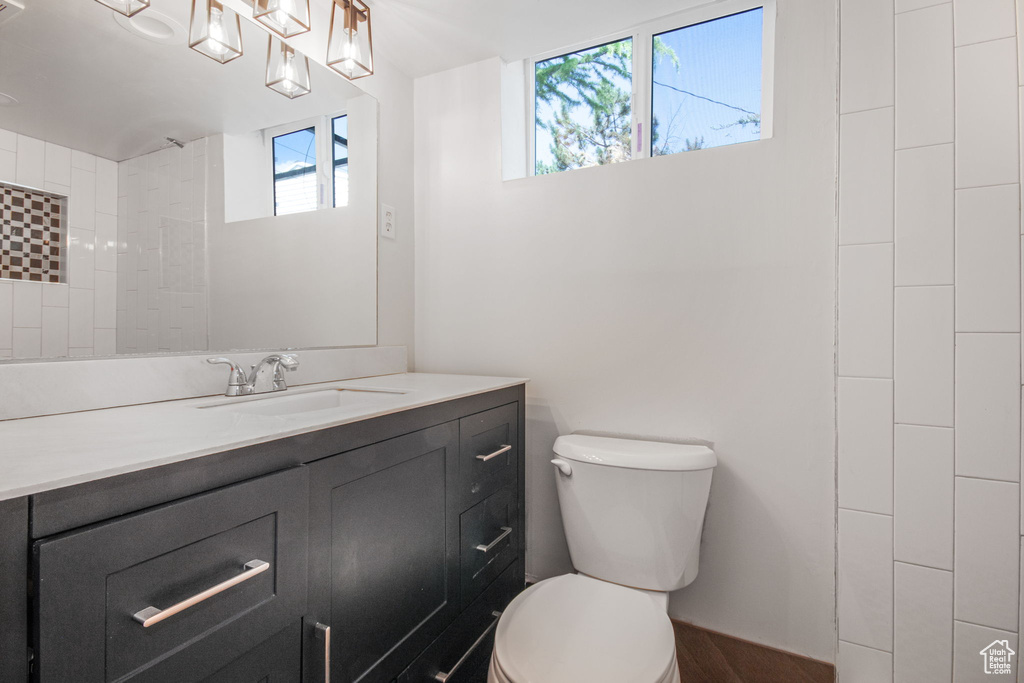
{"type": "Point", "coordinates": [680, 297]}
{"type": "Point", "coordinates": [929, 338]}
{"type": "Point", "coordinates": [78, 318]}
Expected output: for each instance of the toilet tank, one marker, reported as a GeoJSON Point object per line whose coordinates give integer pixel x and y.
{"type": "Point", "coordinates": [633, 510]}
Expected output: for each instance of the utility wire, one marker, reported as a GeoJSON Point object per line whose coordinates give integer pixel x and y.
{"type": "Point", "coordinates": [708, 99]}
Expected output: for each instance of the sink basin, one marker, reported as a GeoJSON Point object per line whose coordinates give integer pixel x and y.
{"type": "Point", "coordinates": [307, 402]}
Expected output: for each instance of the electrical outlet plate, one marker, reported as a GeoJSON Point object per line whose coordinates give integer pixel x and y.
{"type": "Point", "coordinates": [387, 221]}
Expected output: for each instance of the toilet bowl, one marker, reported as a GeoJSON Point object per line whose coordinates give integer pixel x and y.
{"type": "Point", "coordinates": [633, 513]}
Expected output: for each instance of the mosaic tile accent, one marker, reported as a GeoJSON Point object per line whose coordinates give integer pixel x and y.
{"type": "Point", "coordinates": [33, 231]}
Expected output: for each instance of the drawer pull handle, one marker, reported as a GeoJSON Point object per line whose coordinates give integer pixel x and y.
{"type": "Point", "coordinates": [505, 531]}
{"type": "Point", "coordinates": [154, 615]}
{"type": "Point", "coordinates": [495, 454]}
{"type": "Point", "coordinates": [323, 632]}
{"type": "Point", "coordinates": [442, 677]}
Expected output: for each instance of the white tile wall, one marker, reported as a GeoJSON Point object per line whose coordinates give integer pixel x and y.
{"type": "Point", "coordinates": [923, 507]}
{"type": "Point", "coordinates": [924, 77]}
{"type": "Point", "coordinates": [988, 259]}
{"type": "Point", "coordinates": [986, 562]}
{"type": "Point", "coordinates": [866, 199]}
{"type": "Point", "coordinates": [923, 624]}
{"type": "Point", "coordinates": [161, 252]}
{"type": "Point", "coordinates": [865, 579]}
{"type": "Point", "coordinates": [923, 366]}
{"type": "Point", "coordinates": [954, 583]}
{"type": "Point", "coordinates": [865, 444]}
{"type": "Point", "coordinates": [49, 319]}
{"type": "Point", "coordinates": [866, 310]}
{"type": "Point", "coordinates": [924, 216]}
{"type": "Point", "coordinates": [858, 664]}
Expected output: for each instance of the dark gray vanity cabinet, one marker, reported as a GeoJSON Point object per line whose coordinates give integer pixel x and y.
{"type": "Point", "coordinates": [379, 550]}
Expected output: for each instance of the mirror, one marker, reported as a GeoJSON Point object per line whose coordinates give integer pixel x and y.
{"type": "Point", "coordinates": [153, 200]}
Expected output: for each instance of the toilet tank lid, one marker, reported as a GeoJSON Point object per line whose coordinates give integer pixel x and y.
{"type": "Point", "coordinates": [632, 454]}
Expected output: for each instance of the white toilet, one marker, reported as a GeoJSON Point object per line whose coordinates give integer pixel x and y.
{"type": "Point", "coordinates": [633, 512]}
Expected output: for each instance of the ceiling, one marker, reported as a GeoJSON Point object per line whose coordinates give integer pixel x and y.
{"type": "Point", "coordinates": [425, 36]}
{"type": "Point", "coordinates": [85, 82]}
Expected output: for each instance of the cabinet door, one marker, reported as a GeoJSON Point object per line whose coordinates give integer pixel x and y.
{"type": "Point", "coordinates": [384, 554]}
{"type": "Point", "coordinates": [276, 660]}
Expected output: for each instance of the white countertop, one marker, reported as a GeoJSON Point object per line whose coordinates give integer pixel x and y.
{"type": "Point", "coordinates": [43, 453]}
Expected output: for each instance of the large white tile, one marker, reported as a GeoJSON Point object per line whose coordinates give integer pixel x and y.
{"type": "Point", "coordinates": [865, 597]}
{"type": "Point", "coordinates": [923, 624]}
{"type": "Point", "coordinates": [83, 160]}
{"type": "Point", "coordinates": [55, 295]}
{"type": "Point", "coordinates": [80, 321]}
{"type": "Point", "coordinates": [8, 140]}
{"type": "Point", "coordinates": [924, 77]}
{"type": "Point", "coordinates": [924, 356]}
{"type": "Point", "coordinates": [6, 314]}
{"type": "Point", "coordinates": [988, 406]}
{"type": "Point", "coordinates": [968, 642]}
{"type": "Point", "coordinates": [106, 342]}
{"type": "Point", "coordinates": [985, 572]}
{"type": "Point", "coordinates": [8, 166]}
{"type": "Point", "coordinates": [55, 332]}
{"type": "Point", "coordinates": [988, 259]}
{"type": "Point", "coordinates": [866, 177]}
{"type": "Point", "coordinates": [923, 496]}
{"type": "Point", "coordinates": [105, 308]}
{"type": "Point", "coordinates": [858, 664]}
{"type": "Point", "coordinates": [27, 342]}
{"type": "Point", "coordinates": [82, 261]}
{"type": "Point", "coordinates": [58, 164]}
{"type": "Point", "coordinates": [924, 216]}
{"type": "Point", "coordinates": [31, 162]}
{"type": "Point", "coordinates": [28, 304]}
{"type": "Point", "coordinates": [865, 444]}
{"type": "Point", "coordinates": [106, 242]}
{"type": "Point", "coordinates": [911, 5]}
{"type": "Point", "coordinates": [866, 311]}
{"type": "Point", "coordinates": [106, 186]}
{"type": "Point", "coordinates": [82, 202]}
{"type": "Point", "coordinates": [866, 54]}
{"type": "Point", "coordinates": [986, 114]}
{"type": "Point", "coordinates": [981, 20]}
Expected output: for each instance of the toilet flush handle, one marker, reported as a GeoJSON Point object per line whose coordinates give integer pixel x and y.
{"type": "Point", "coordinates": [562, 466]}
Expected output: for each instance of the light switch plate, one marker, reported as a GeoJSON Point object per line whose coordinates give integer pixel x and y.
{"type": "Point", "coordinates": [387, 221]}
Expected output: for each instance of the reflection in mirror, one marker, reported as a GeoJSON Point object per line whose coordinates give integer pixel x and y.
{"type": "Point", "coordinates": [153, 200]}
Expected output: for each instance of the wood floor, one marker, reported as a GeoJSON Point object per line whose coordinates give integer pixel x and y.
{"type": "Point", "coordinates": [709, 657]}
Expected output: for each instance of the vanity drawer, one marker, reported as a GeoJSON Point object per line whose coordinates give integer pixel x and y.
{"type": "Point", "coordinates": [488, 452]}
{"type": "Point", "coordinates": [465, 646]}
{"type": "Point", "coordinates": [490, 541]}
{"type": "Point", "coordinates": [227, 569]}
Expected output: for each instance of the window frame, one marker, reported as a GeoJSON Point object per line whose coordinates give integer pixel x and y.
{"type": "Point", "coordinates": [333, 162]}
{"type": "Point", "coordinates": [324, 131]}
{"type": "Point", "coordinates": [643, 40]}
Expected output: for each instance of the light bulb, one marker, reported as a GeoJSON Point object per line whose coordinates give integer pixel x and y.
{"type": "Point", "coordinates": [288, 71]}
{"type": "Point", "coordinates": [351, 54]}
{"type": "Point", "coordinates": [217, 36]}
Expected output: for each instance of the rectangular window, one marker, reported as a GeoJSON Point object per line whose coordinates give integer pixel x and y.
{"type": "Point", "coordinates": [339, 132]}
{"type": "Point", "coordinates": [706, 84]}
{"type": "Point", "coordinates": [295, 176]}
{"type": "Point", "coordinates": [583, 108]}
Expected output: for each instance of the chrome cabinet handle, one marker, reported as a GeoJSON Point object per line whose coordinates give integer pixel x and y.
{"type": "Point", "coordinates": [154, 615]}
{"type": "Point", "coordinates": [505, 531]}
{"type": "Point", "coordinates": [495, 454]}
{"type": "Point", "coordinates": [442, 676]}
{"type": "Point", "coordinates": [323, 632]}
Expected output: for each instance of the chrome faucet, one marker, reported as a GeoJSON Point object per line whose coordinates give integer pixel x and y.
{"type": "Point", "coordinates": [265, 376]}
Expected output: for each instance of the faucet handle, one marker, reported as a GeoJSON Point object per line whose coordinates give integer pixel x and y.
{"type": "Point", "coordinates": [236, 378]}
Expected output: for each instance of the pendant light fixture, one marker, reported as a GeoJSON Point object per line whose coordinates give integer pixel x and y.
{"type": "Point", "coordinates": [129, 8]}
{"type": "Point", "coordinates": [350, 45]}
{"type": "Point", "coordinates": [215, 31]}
{"type": "Point", "coordinates": [287, 70]}
{"type": "Point", "coordinates": [286, 18]}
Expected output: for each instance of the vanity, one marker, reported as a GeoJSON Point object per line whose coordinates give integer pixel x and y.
{"type": "Point", "coordinates": [362, 530]}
